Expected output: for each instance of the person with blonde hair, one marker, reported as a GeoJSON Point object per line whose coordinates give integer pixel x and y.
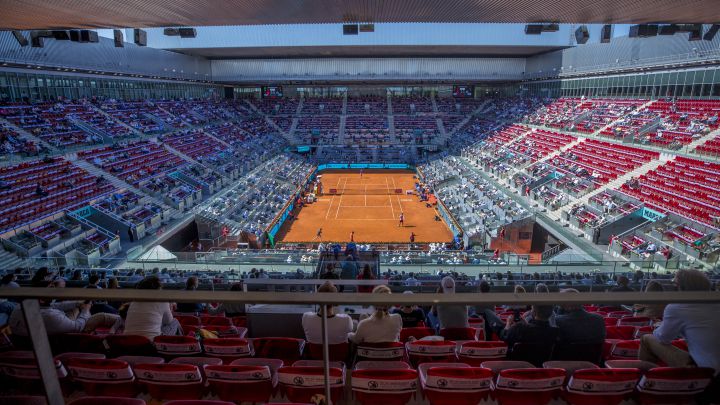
{"type": "Point", "coordinates": [379, 327]}
{"type": "Point", "coordinates": [697, 323]}
{"type": "Point", "coordinates": [338, 325]}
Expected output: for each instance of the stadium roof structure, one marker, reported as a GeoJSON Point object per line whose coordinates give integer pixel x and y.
{"type": "Point", "coordinates": [58, 14]}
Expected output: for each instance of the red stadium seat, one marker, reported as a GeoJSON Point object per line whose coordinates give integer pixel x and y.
{"type": "Point", "coordinates": [389, 351]}
{"type": "Point", "coordinates": [528, 386]}
{"type": "Point", "coordinates": [65, 357]}
{"type": "Point", "coordinates": [241, 383]}
{"type": "Point", "coordinates": [391, 387]}
{"type": "Point", "coordinates": [207, 320]}
{"type": "Point", "coordinates": [641, 365]}
{"type": "Point", "coordinates": [423, 351]}
{"type": "Point", "coordinates": [78, 342]}
{"type": "Point", "coordinates": [625, 350]}
{"type": "Point", "coordinates": [300, 383]}
{"type": "Point", "coordinates": [388, 365]}
{"type": "Point", "coordinates": [20, 369]}
{"type": "Point", "coordinates": [197, 402]}
{"type": "Point", "coordinates": [289, 350]}
{"type": "Point", "coordinates": [129, 345]}
{"type": "Point", "coordinates": [601, 386]}
{"type": "Point", "coordinates": [171, 381]}
{"type": "Point", "coordinates": [475, 353]}
{"type": "Point", "coordinates": [569, 366]}
{"type": "Point", "coordinates": [173, 346]}
{"type": "Point", "coordinates": [107, 401]}
{"type": "Point", "coordinates": [104, 377]}
{"type": "Point", "coordinates": [499, 365]}
{"type": "Point", "coordinates": [418, 333]}
{"type": "Point", "coordinates": [673, 385]}
{"type": "Point", "coordinates": [228, 349]}
{"type": "Point", "coordinates": [625, 332]}
{"type": "Point", "coordinates": [338, 352]}
{"type": "Point", "coordinates": [458, 333]}
{"type": "Point", "coordinates": [188, 320]}
{"type": "Point", "coordinates": [200, 362]}
{"type": "Point", "coordinates": [637, 321]}
{"type": "Point", "coordinates": [456, 385]}
{"type": "Point", "coordinates": [134, 360]}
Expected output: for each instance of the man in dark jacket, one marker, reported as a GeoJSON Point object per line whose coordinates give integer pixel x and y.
{"type": "Point", "coordinates": [577, 326]}
{"type": "Point", "coordinates": [536, 331]}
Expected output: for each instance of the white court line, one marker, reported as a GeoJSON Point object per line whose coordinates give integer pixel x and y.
{"type": "Point", "coordinates": [364, 206]}
{"type": "Point", "coordinates": [392, 208]}
{"type": "Point", "coordinates": [340, 202]}
{"type": "Point", "coordinates": [366, 219]}
{"type": "Point", "coordinates": [398, 197]}
{"type": "Point", "coordinates": [332, 200]}
{"type": "Point", "coordinates": [329, 207]}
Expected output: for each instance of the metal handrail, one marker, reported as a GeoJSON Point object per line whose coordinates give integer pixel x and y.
{"type": "Point", "coordinates": [359, 298]}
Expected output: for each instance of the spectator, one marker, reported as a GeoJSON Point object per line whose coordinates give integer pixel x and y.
{"type": "Point", "coordinates": [451, 316]}
{"type": "Point", "coordinates": [622, 285]}
{"type": "Point", "coordinates": [411, 281]}
{"type": "Point", "coordinates": [411, 315]}
{"type": "Point", "coordinates": [191, 284]}
{"type": "Point", "coordinates": [366, 274]}
{"type": "Point", "coordinates": [380, 326]}
{"type": "Point", "coordinates": [151, 319]}
{"type": "Point", "coordinates": [40, 278]}
{"type": "Point", "coordinates": [93, 281]}
{"type": "Point", "coordinates": [57, 321]}
{"type": "Point", "coordinates": [137, 277]}
{"type": "Point", "coordinates": [114, 284]}
{"type": "Point", "coordinates": [9, 281]}
{"type": "Point", "coordinates": [230, 309]}
{"type": "Point", "coordinates": [330, 273]}
{"type": "Point", "coordinates": [654, 311]}
{"type": "Point", "coordinates": [576, 325]}
{"type": "Point", "coordinates": [540, 288]}
{"type": "Point", "coordinates": [77, 275]}
{"type": "Point", "coordinates": [536, 331]}
{"type": "Point", "coordinates": [696, 323]}
{"type": "Point", "coordinates": [338, 325]}
{"type": "Point", "coordinates": [349, 269]}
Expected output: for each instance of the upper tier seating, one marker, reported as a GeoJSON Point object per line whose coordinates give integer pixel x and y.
{"type": "Point", "coordinates": [136, 114]}
{"type": "Point", "coordinates": [318, 128]}
{"type": "Point", "coordinates": [133, 162]}
{"type": "Point", "coordinates": [411, 105]}
{"type": "Point", "coordinates": [366, 130]}
{"type": "Point", "coordinates": [12, 143]}
{"type": "Point", "coordinates": [270, 106]}
{"type": "Point", "coordinates": [38, 188]}
{"type": "Point", "coordinates": [322, 106]}
{"type": "Point", "coordinates": [52, 122]}
{"type": "Point", "coordinates": [367, 105]}
{"type": "Point", "coordinates": [684, 186]}
{"type": "Point", "coordinates": [600, 160]}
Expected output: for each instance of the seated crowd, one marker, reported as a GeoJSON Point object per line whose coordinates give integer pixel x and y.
{"type": "Point", "coordinates": [639, 340]}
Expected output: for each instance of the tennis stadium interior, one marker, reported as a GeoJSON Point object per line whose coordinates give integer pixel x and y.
{"type": "Point", "coordinates": [265, 142]}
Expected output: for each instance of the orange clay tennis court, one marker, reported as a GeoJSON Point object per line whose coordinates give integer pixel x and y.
{"type": "Point", "coordinates": [369, 206]}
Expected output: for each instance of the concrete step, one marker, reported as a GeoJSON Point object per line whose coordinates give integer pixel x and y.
{"type": "Point", "coordinates": [10, 261]}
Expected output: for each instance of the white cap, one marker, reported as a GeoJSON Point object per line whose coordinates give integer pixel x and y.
{"type": "Point", "coordinates": [448, 284]}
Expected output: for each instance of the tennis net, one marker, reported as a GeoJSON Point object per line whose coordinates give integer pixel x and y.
{"type": "Point", "coordinates": [363, 191]}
